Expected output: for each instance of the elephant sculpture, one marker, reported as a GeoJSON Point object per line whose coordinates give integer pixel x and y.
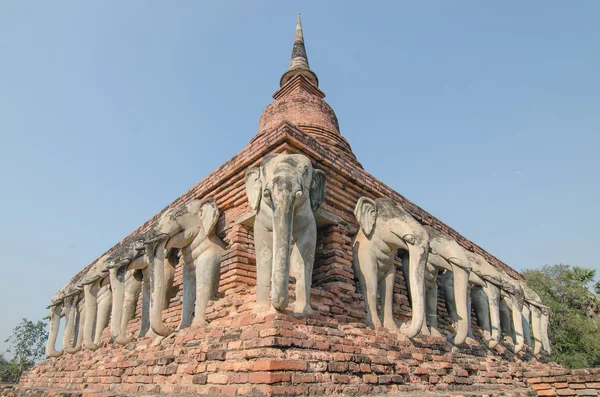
{"type": "Point", "coordinates": [190, 228]}
{"type": "Point", "coordinates": [285, 191]}
{"type": "Point", "coordinates": [73, 332]}
{"type": "Point", "coordinates": [386, 228]}
{"type": "Point", "coordinates": [534, 309]}
{"type": "Point", "coordinates": [447, 256]}
{"type": "Point", "coordinates": [129, 276]}
{"type": "Point", "coordinates": [98, 299]}
{"type": "Point", "coordinates": [498, 302]}
{"type": "Point", "coordinates": [75, 315]}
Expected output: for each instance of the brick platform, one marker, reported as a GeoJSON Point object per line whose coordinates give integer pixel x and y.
{"type": "Point", "coordinates": [333, 352]}
{"type": "Point", "coordinates": [279, 354]}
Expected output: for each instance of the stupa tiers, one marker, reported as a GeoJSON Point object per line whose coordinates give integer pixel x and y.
{"type": "Point", "coordinates": [263, 279]}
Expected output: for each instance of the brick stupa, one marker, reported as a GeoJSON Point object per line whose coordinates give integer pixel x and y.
{"type": "Point", "coordinates": [241, 353]}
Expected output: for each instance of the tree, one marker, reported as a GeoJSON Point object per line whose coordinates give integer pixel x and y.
{"type": "Point", "coordinates": [27, 345]}
{"type": "Point", "coordinates": [574, 327]}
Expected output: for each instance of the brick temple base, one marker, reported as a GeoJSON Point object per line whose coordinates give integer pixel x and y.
{"type": "Point", "coordinates": [245, 354]}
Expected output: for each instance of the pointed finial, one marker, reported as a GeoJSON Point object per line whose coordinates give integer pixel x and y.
{"type": "Point", "coordinates": [299, 61]}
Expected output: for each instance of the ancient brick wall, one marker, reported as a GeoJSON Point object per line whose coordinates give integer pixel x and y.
{"type": "Point", "coordinates": [564, 382]}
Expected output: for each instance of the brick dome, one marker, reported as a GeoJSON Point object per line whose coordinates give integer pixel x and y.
{"type": "Point", "coordinates": [300, 103]}
{"type": "Point", "coordinates": [301, 109]}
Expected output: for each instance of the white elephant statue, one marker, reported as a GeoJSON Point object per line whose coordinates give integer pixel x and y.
{"type": "Point", "coordinates": [538, 313]}
{"type": "Point", "coordinates": [98, 301]}
{"type": "Point", "coordinates": [128, 274]}
{"type": "Point", "coordinates": [384, 229]}
{"type": "Point", "coordinates": [498, 300]}
{"type": "Point", "coordinates": [191, 229]}
{"type": "Point", "coordinates": [285, 191]}
{"type": "Point", "coordinates": [446, 255]}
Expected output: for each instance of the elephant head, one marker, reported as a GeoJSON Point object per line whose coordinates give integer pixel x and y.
{"type": "Point", "coordinates": [446, 254]}
{"type": "Point", "coordinates": [384, 229]}
{"type": "Point", "coordinates": [284, 191]}
{"type": "Point", "coordinates": [176, 228]}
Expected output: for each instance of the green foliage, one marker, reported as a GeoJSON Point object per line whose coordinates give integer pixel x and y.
{"type": "Point", "coordinates": [572, 296]}
{"type": "Point", "coordinates": [27, 345]}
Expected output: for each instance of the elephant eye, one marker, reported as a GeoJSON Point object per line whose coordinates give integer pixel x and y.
{"type": "Point", "coordinates": [305, 172]}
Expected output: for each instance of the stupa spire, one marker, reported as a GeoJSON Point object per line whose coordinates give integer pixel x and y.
{"type": "Point", "coordinates": [299, 61]}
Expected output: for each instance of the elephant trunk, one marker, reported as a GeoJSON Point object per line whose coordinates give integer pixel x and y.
{"type": "Point", "coordinates": [416, 274]}
{"type": "Point", "coordinates": [282, 240]}
{"type": "Point", "coordinates": [461, 284]}
{"type": "Point", "coordinates": [156, 261]}
{"type": "Point", "coordinates": [54, 325]}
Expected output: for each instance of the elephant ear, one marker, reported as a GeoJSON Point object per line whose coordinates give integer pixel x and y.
{"type": "Point", "coordinates": [253, 187]}
{"type": "Point", "coordinates": [366, 214]}
{"type": "Point", "coordinates": [209, 213]}
{"type": "Point", "coordinates": [317, 189]}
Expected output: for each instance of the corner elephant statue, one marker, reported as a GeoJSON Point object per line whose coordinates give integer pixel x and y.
{"type": "Point", "coordinates": [447, 256]}
{"type": "Point", "coordinates": [285, 191]}
{"type": "Point", "coordinates": [191, 228]}
{"type": "Point", "coordinates": [384, 229]}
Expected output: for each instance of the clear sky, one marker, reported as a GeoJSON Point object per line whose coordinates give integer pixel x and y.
{"type": "Point", "coordinates": [486, 114]}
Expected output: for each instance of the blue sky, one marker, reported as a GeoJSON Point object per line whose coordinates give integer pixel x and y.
{"type": "Point", "coordinates": [486, 114]}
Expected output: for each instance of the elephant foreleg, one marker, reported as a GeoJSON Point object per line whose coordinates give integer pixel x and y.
{"type": "Point", "coordinates": [366, 269]}
{"type": "Point", "coordinates": [189, 294]}
{"type": "Point", "coordinates": [118, 295]}
{"type": "Point", "coordinates": [145, 328]}
{"type": "Point", "coordinates": [133, 286]}
{"type": "Point", "coordinates": [104, 306]}
{"type": "Point", "coordinates": [545, 320]}
{"type": "Point", "coordinates": [387, 297]}
{"type": "Point", "coordinates": [431, 298]}
{"type": "Point", "coordinates": [70, 316]}
{"type": "Point", "coordinates": [493, 298]}
{"type": "Point", "coordinates": [207, 280]}
{"type": "Point", "coordinates": [90, 315]}
{"type": "Point", "coordinates": [78, 331]}
{"type": "Point", "coordinates": [516, 307]}
{"type": "Point", "coordinates": [526, 315]}
{"type": "Point", "coordinates": [482, 311]}
{"type": "Point", "coordinates": [463, 307]}
{"type": "Point", "coordinates": [448, 287]}
{"type": "Point", "coordinates": [302, 261]}
{"type": "Point", "coordinates": [264, 265]}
